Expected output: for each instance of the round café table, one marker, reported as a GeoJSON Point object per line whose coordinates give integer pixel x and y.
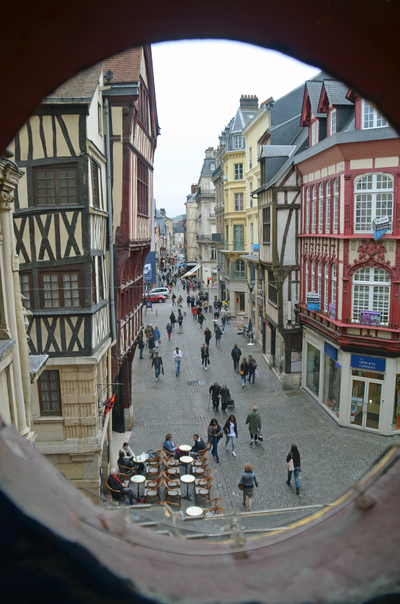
{"type": "Point", "coordinates": [137, 479]}
{"type": "Point", "coordinates": [186, 460]}
{"type": "Point", "coordinates": [188, 478]}
{"type": "Point", "coordinates": [194, 511]}
{"type": "Point", "coordinates": [185, 449]}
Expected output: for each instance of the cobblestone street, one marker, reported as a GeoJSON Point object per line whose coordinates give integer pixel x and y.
{"type": "Point", "coordinates": [332, 458]}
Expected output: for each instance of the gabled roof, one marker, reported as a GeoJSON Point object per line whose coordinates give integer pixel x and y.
{"type": "Point", "coordinates": [80, 88]}
{"type": "Point", "coordinates": [336, 92]}
{"type": "Point", "coordinates": [277, 150]}
{"type": "Point", "coordinates": [125, 66]}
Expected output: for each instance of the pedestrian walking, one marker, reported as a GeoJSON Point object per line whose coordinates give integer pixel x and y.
{"type": "Point", "coordinates": [141, 347]}
{"type": "Point", "coordinates": [215, 395]}
{"type": "Point", "coordinates": [201, 319]}
{"type": "Point", "coordinates": [293, 465]}
{"type": "Point", "coordinates": [177, 355]}
{"type": "Point", "coordinates": [225, 397]}
{"type": "Point", "coordinates": [188, 300]}
{"type": "Point", "coordinates": [194, 312]}
{"type": "Point", "coordinates": [205, 356]}
{"type": "Point", "coordinates": [218, 334]}
{"type": "Point", "coordinates": [214, 435]}
{"type": "Point", "coordinates": [223, 321]}
{"type": "Point", "coordinates": [173, 298]}
{"type": "Point", "coordinates": [172, 318]}
{"type": "Point", "coordinates": [192, 301]}
{"type": "Point", "coordinates": [236, 353]}
{"type": "Point", "coordinates": [247, 482]}
{"type": "Point", "coordinates": [228, 315]}
{"type": "Point", "coordinates": [244, 370]}
{"type": "Point", "coordinates": [157, 336]}
{"type": "Point", "coordinates": [169, 330]}
{"type": "Point", "coordinates": [231, 433]}
{"type": "Point", "coordinates": [205, 306]}
{"type": "Point", "coordinates": [207, 336]}
{"type": "Point", "coordinates": [252, 368]}
{"type": "Point", "coordinates": [152, 345]}
{"type": "Point", "coordinates": [148, 331]}
{"type": "Point", "coordinates": [157, 364]}
{"type": "Point", "coordinates": [254, 421]}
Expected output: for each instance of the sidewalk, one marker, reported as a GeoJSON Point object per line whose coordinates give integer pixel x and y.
{"type": "Point", "coordinates": [332, 458]}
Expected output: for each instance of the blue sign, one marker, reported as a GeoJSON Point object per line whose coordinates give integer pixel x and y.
{"type": "Point", "coordinates": [149, 269]}
{"type": "Point", "coordinates": [313, 307]}
{"type": "Point", "coordinates": [330, 351]}
{"type": "Point", "coordinates": [313, 301]}
{"type": "Point", "coordinates": [368, 363]}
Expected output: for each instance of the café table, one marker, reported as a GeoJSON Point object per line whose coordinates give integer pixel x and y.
{"type": "Point", "coordinates": [185, 449]}
{"type": "Point", "coordinates": [194, 511]}
{"type": "Point", "coordinates": [186, 460]}
{"type": "Point", "coordinates": [188, 478]}
{"type": "Point", "coordinates": [138, 479]}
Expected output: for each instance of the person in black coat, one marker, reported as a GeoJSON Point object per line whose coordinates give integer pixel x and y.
{"type": "Point", "coordinates": [225, 397]}
{"type": "Point", "coordinates": [199, 444]}
{"type": "Point", "coordinates": [207, 335]}
{"type": "Point", "coordinates": [236, 353]}
{"type": "Point", "coordinates": [215, 394]}
{"type": "Point", "coordinates": [205, 356]}
{"type": "Point", "coordinates": [116, 484]}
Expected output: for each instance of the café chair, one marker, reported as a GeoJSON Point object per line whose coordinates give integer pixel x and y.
{"type": "Point", "coordinates": [172, 495]}
{"type": "Point", "coordinates": [175, 506]}
{"type": "Point", "coordinates": [128, 472]}
{"type": "Point", "coordinates": [154, 469]}
{"type": "Point", "coordinates": [157, 459]}
{"type": "Point", "coordinates": [212, 507]}
{"type": "Point", "coordinates": [202, 479]}
{"type": "Point", "coordinates": [115, 495]}
{"type": "Point", "coordinates": [204, 491]}
{"type": "Point", "coordinates": [200, 462]}
{"type": "Point", "coordinates": [171, 474]}
{"type": "Point", "coordinates": [153, 492]}
{"type": "Point", "coordinates": [197, 470]}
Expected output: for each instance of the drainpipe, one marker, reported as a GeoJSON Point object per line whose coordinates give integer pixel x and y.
{"type": "Point", "coordinates": [110, 220]}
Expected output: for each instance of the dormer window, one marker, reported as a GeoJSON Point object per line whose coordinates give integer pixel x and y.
{"type": "Point", "coordinates": [238, 142]}
{"type": "Point", "coordinates": [371, 118]}
{"type": "Point", "coordinates": [314, 132]}
{"type": "Point", "coordinates": [332, 122]}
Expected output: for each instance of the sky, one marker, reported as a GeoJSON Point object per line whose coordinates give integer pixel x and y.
{"type": "Point", "coordinates": [198, 88]}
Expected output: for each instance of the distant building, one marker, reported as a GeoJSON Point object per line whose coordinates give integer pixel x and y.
{"type": "Point", "coordinates": [206, 235]}
{"type": "Point", "coordinates": [191, 226]}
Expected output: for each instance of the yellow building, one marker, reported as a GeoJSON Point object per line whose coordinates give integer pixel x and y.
{"type": "Point", "coordinates": [232, 272]}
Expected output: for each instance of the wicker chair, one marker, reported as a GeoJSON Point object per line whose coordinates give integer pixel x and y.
{"type": "Point", "coordinates": [128, 472]}
{"type": "Point", "coordinates": [116, 495]}
{"type": "Point", "coordinates": [212, 507]}
{"type": "Point", "coordinates": [204, 491]}
{"type": "Point", "coordinates": [153, 492]}
{"type": "Point", "coordinates": [203, 479]}
{"type": "Point", "coordinates": [156, 459]}
{"type": "Point", "coordinates": [172, 495]}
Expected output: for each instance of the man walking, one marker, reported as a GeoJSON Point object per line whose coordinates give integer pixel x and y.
{"type": "Point", "coordinates": [215, 395]}
{"type": "Point", "coordinates": [157, 364]}
{"type": "Point", "coordinates": [157, 336]}
{"type": "Point", "coordinates": [236, 353]}
{"type": "Point", "coordinates": [218, 334]}
{"type": "Point", "coordinates": [254, 421]}
{"type": "Point", "coordinates": [177, 358]}
{"type": "Point", "coordinates": [252, 368]}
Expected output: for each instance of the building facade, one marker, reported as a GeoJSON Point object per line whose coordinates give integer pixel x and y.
{"type": "Point", "coordinates": [206, 222]}
{"type": "Point", "coordinates": [191, 248]}
{"type": "Point", "coordinates": [350, 259]}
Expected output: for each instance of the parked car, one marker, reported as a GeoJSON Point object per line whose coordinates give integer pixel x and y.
{"type": "Point", "coordinates": [164, 291]}
{"type": "Point", "coordinates": [149, 297]}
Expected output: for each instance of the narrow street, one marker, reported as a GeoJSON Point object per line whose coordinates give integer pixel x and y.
{"type": "Point", "coordinates": [332, 458]}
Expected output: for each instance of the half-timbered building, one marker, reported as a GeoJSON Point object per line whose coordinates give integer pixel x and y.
{"type": "Point", "coordinates": [131, 117]}
{"type": "Point", "coordinates": [60, 227]}
{"type": "Point", "coordinates": [350, 259]}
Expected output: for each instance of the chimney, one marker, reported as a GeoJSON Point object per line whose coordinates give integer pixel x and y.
{"type": "Point", "coordinates": [249, 102]}
{"type": "Point", "coordinates": [162, 212]}
{"type": "Point", "coordinates": [210, 153]}
{"type": "Point", "coordinates": [194, 189]}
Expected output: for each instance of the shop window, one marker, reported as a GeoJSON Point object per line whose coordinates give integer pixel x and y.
{"type": "Point", "coordinates": [242, 303]}
{"type": "Point", "coordinates": [373, 198]}
{"type": "Point", "coordinates": [49, 393]}
{"type": "Point", "coordinates": [396, 408]}
{"type": "Point", "coordinates": [332, 379]}
{"type": "Point", "coordinates": [313, 369]}
{"type": "Point", "coordinates": [371, 293]}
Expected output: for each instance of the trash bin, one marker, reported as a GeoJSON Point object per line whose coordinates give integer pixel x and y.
{"type": "Point", "coordinates": [210, 308]}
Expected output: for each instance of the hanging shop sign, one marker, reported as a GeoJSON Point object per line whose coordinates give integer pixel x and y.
{"type": "Point", "coordinates": [380, 226]}
{"type": "Point", "coordinates": [313, 301]}
{"type": "Point", "coordinates": [368, 363]}
{"type": "Point", "coordinates": [331, 351]}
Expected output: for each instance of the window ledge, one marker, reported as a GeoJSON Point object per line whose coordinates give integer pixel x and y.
{"type": "Point", "coordinates": [48, 419]}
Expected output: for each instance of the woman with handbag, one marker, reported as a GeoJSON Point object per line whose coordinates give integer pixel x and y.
{"type": "Point", "coordinates": [230, 430]}
{"type": "Point", "coordinates": [214, 432]}
{"type": "Point", "coordinates": [246, 484]}
{"type": "Point", "coordinates": [205, 356]}
{"type": "Point", "coordinates": [293, 465]}
{"type": "Point", "coordinates": [244, 370]}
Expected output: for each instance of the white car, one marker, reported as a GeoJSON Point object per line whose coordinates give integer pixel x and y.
{"type": "Point", "coordinates": [164, 291]}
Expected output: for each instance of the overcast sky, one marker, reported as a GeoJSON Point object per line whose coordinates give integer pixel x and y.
{"type": "Point", "coordinates": [198, 88]}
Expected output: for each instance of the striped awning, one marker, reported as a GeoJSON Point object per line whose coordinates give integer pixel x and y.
{"type": "Point", "coordinates": [193, 270]}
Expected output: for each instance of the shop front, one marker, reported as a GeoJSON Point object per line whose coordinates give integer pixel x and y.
{"type": "Point", "coordinates": [358, 391]}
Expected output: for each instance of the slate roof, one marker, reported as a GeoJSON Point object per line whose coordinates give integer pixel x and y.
{"type": "Point", "coordinates": [314, 93]}
{"type": "Point", "coordinates": [179, 229]}
{"type": "Point", "coordinates": [82, 86]}
{"type": "Point", "coordinates": [280, 165]}
{"type": "Point", "coordinates": [125, 65]}
{"type": "Point", "coordinates": [336, 92]}
{"type": "Point", "coordinates": [277, 150]}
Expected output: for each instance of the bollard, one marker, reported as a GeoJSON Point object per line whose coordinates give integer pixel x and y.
{"type": "Point", "coordinates": [156, 311]}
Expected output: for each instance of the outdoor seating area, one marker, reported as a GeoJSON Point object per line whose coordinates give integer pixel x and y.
{"type": "Point", "coordinates": [185, 484]}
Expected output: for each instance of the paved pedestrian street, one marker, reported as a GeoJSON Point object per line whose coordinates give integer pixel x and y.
{"type": "Point", "coordinates": [332, 458]}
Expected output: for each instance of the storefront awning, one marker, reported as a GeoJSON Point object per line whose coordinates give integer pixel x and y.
{"type": "Point", "coordinates": [193, 270]}
{"type": "Point", "coordinates": [251, 257]}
